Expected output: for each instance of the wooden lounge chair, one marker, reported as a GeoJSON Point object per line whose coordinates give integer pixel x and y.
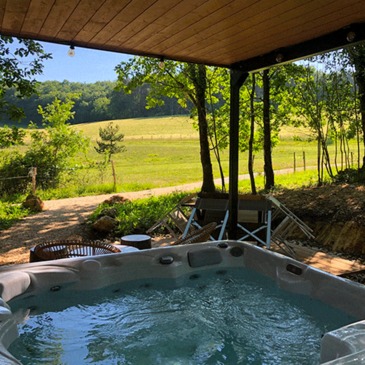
{"type": "Point", "coordinates": [200, 235]}
{"type": "Point", "coordinates": [61, 249]}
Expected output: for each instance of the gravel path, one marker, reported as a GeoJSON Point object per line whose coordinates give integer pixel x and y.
{"type": "Point", "coordinates": [65, 218]}
{"type": "Point", "coordinates": [61, 219]}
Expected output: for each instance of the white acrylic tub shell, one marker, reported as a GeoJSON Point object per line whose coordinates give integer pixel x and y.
{"type": "Point", "coordinates": [345, 345]}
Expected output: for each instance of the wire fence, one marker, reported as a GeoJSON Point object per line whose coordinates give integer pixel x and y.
{"type": "Point", "coordinates": [32, 175]}
{"type": "Point", "coordinates": [299, 163]}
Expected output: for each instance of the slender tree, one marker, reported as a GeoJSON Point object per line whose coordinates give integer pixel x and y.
{"type": "Point", "coordinates": [268, 168]}
{"type": "Point", "coordinates": [186, 82]}
{"type": "Point", "coordinates": [109, 145]}
{"type": "Point", "coordinates": [252, 136]}
{"type": "Point", "coordinates": [356, 56]}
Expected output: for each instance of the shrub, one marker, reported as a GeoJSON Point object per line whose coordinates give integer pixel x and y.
{"type": "Point", "coordinates": [139, 215]}
{"type": "Point", "coordinates": [14, 174]}
{"type": "Point", "coordinates": [350, 176]}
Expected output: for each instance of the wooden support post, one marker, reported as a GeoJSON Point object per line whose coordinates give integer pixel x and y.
{"type": "Point", "coordinates": [238, 77]}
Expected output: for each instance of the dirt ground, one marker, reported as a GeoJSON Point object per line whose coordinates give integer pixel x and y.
{"type": "Point", "coordinates": [335, 212]}
{"type": "Point", "coordinates": [61, 219]}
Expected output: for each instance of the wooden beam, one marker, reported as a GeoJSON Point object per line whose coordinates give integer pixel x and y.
{"type": "Point", "coordinates": [350, 35]}
{"type": "Point", "coordinates": [237, 80]}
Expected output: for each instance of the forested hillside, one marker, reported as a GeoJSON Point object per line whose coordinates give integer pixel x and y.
{"type": "Point", "coordinates": [94, 102]}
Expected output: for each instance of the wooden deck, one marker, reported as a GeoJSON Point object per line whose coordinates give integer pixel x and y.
{"type": "Point", "coordinates": [323, 261]}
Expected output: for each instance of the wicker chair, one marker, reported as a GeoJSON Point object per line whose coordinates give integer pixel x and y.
{"type": "Point", "coordinates": [200, 235]}
{"type": "Point", "coordinates": [61, 249]}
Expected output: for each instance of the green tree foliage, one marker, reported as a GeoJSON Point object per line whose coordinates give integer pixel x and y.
{"type": "Point", "coordinates": [326, 103]}
{"type": "Point", "coordinates": [51, 150]}
{"type": "Point", "coordinates": [109, 146]}
{"type": "Point", "coordinates": [97, 102]}
{"type": "Point", "coordinates": [109, 143]}
{"type": "Point", "coordinates": [183, 81]}
{"type": "Point", "coordinates": [18, 75]}
{"type": "Point", "coordinates": [53, 146]}
{"type": "Point", "coordinates": [11, 136]}
{"type": "Point", "coordinates": [356, 57]}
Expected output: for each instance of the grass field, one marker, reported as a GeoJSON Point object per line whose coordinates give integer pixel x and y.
{"type": "Point", "coordinates": [165, 152]}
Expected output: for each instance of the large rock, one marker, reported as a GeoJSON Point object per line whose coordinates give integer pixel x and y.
{"type": "Point", "coordinates": [115, 199]}
{"type": "Point", "coordinates": [33, 203]}
{"type": "Point", "coordinates": [104, 224]}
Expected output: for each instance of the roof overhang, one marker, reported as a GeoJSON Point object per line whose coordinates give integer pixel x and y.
{"type": "Point", "coordinates": [244, 34]}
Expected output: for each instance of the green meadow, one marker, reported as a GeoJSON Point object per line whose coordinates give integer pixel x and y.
{"type": "Point", "coordinates": [165, 152]}
{"type": "Point", "coordinates": [162, 152]}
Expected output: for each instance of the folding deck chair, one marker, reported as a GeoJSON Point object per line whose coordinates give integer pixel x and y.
{"type": "Point", "coordinates": [207, 210]}
{"type": "Point", "coordinates": [176, 218]}
{"type": "Point", "coordinates": [254, 219]}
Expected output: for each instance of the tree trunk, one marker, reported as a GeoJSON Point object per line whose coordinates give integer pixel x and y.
{"type": "Point", "coordinates": [361, 86]}
{"type": "Point", "coordinates": [357, 58]}
{"type": "Point", "coordinates": [198, 74]}
{"type": "Point", "coordinates": [252, 135]}
{"type": "Point", "coordinates": [268, 169]}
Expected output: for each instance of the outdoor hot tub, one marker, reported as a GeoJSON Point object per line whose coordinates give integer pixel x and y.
{"type": "Point", "coordinates": [223, 302]}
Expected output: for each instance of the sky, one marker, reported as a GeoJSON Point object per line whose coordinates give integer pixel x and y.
{"type": "Point", "coordinates": [86, 66]}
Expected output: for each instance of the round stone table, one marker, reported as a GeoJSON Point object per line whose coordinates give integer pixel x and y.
{"type": "Point", "coordinates": [140, 241]}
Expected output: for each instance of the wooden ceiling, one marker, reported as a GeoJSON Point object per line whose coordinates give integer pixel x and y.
{"type": "Point", "coordinates": [213, 32]}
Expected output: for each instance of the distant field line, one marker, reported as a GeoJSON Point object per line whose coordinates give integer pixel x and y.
{"type": "Point", "coordinates": [162, 136]}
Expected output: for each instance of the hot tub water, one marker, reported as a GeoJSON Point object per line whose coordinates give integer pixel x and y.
{"type": "Point", "coordinates": [215, 317]}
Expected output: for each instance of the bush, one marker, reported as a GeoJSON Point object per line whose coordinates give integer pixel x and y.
{"type": "Point", "coordinates": [50, 151]}
{"type": "Point", "coordinates": [14, 174]}
{"type": "Point", "coordinates": [350, 176]}
{"type": "Point", "coordinates": [138, 216]}
{"type": "Point", "coordinates": [11, 136]}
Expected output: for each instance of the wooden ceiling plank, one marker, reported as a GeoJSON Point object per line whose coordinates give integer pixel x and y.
{"type": "Point", "coordinates": [207, 31]}
{"type": "Point", "coordinates": [36, 16]}
{"type": "Point", "coordinates": [264, 31]}
{"type": "Point", "coordinates": [173, 33]}
{"type": "Point", "coordinates": [131, 11]}
{"type": "Point", "coordinates": [145, 25]}
{"type": "Point", "coordinates": [159, 35]}
{"type": "Point", "coordinates": [2, 10]}
{"type": "Point", "coordinates": [15, 12]}
{"type": "Point", "coordinates": [317, 28]}
{"type": "Point", "coordinates": [81, 15]}
{"type": "Point", "coordinates": [57, 17]}
{"type": "Point", "coordinates": [217, 23]}
{"type": "Point", "coordinates": [242, 29]}
{"type": "Point", "coordinates": [319, 24]}
{"type": "Point", "coordinates": [103, 16]}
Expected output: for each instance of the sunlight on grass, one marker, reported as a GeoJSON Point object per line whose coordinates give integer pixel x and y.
{"type": "Point", "coordinates": [165, 152]}
{"type": "Point", "coordinates": [10, 213]}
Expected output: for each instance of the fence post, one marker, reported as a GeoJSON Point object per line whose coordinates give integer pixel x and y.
{"type": "Point", "coordinates": [33, 173]}
{"type": "Point", "coordinates": [114, 176]}
{"type": "Point", "coordinates": [295, 163]}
